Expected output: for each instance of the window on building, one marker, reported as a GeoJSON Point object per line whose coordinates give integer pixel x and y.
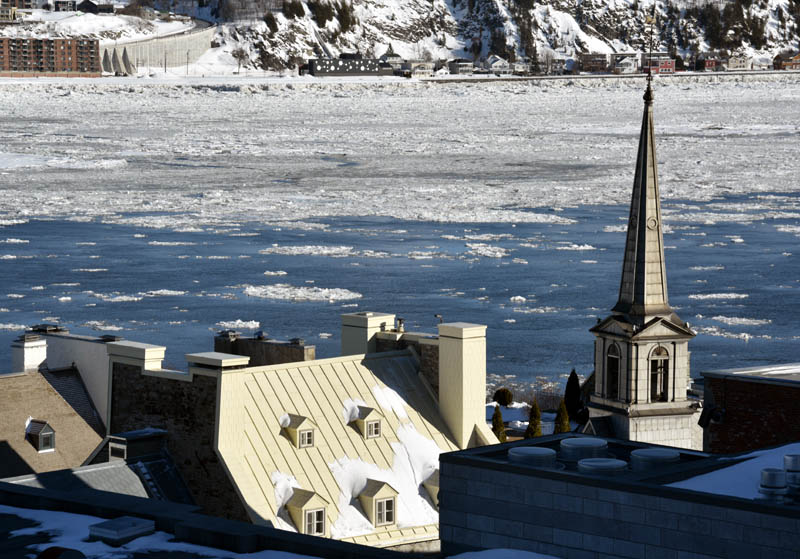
{"type": "Point", "coordinates": [373, 429]}
{"type": "Point", "coordinates": [659, 374]}
{"type": "Point", "coordinates": [46, 442]}
{"type": "Point", "coordinates": [612, 372]}
{"type": "Point", "coordinates": [306, 438]}
{"type": "Point", "coordinates": [315, 522]}
{"type": "Point", "coordinates": [384, 511]}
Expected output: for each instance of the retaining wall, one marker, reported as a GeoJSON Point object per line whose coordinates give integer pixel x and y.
{"type": "Point", "coordinates": [170, 51]}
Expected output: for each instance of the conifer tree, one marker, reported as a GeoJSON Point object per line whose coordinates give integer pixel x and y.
{"type": "Point", "coordinates": [572, 394]}
{"type": "Point", "coordinates": [562, 419]}
{"type": "Point", "coordinates": [534, 421]}
{"type": "Point", "coordinates": [497, 425]}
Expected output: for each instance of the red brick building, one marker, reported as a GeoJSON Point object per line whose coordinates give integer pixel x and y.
{"type": "Point", "coordinates": [56, 56]}
{"type": "Point", "coordinates": [747, 409]}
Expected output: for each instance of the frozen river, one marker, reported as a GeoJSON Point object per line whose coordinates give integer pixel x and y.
{"type": "Point", "coordinates": [164, 212]}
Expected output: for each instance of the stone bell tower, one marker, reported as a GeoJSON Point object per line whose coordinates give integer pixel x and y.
{"type": "Point", "coordinates": [641, 354]}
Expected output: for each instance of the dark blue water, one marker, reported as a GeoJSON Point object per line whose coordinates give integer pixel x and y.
{"type": "Point", "coordinates": [546, 336]}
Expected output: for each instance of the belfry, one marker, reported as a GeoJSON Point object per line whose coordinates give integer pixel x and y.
{"type": "Point", "coordinates": [641, 355]}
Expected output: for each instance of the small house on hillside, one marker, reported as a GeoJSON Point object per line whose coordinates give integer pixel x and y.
{"type": "Point", "coordinates": [496, 65]}
{"type": "Point", "coordinates": [740, 62]}
{"type": "Point", "coordinates": [461, 66]}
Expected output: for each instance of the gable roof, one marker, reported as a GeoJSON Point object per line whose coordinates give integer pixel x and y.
{"type": "Point", "coordinates": [36, 426]}
{"type": "Point", "coordinates": [265, 466]}
{"type": "Point", "coordinates": [27, 395]}
{"type": "Point", "coordinates": [374, 486]}
{"type": "Point", "coordinates": [301, 497]}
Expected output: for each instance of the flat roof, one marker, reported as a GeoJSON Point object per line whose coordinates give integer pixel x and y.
{"type": "Point", "coordinates": [721, 480]}
{"type": "Point", "coordinates": [786, 373]}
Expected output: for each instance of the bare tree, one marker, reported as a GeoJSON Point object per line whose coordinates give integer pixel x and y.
{"type": "Point", "coordinates": [241, 56]}
{"type": "Point", "coordinates": [546, 61]}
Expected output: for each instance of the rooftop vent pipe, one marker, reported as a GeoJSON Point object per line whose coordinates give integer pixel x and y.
{"type": "Point", "coordinates": [578, 448]}
{"type": "Point", "coordinates": [791, 463]}
{"type": "Point", "coordinates": [536, 456]}
{"type": "Point", "coordinates": [773, 484]}
{"type": "Point", "coordinates": [644, 459]}
{"type": "Point", "coordinates": [602, 466]}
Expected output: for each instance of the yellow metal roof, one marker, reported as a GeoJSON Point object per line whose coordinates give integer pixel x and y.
{"type": "Point", "coordinates": [260, 458]}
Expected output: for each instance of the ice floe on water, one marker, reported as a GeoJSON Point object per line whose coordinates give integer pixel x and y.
{"type": "Point", "coordinates": [239, 324]}
{"type": "Point", "coordinates": [275, 273]}
{"type": "Point", "coordinates": [90, 270]}
{"type": "Point", "coordinates": [12, 241]}
{"type": "Point", "coordinates": [488, 251]}
{"type": "Point", "coordinates": [738, 321]}
{"type": "Point", "coordinates": [115, 297]}
{"type": "Point", "coordinates": [706, 268]}
{"type": "Point", "coordinates": [573, 246]}
{"type": "Point", "coordinates": [12, 327]}
{"type": "Point", "coordinates": [310, 250]}
{"type": "Point", "coordinates": [101, 325]}
{"type": "Point", "coordinates": [162, 293]}
{"type": "Point", "coordinates": [294, 293]}
{"type": "Point", "coordinates": [720, 296]}
{"type": "Point", "coordinates": [171, 243]}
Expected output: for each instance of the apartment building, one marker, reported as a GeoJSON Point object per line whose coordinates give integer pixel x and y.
{"type": "Point", "coordinates": [75, 54]}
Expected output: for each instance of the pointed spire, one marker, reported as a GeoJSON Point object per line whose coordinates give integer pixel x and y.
{"type": "Point", "coordinates": [643, 289]}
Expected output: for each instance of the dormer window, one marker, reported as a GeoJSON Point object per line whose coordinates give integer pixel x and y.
{"type": "Point", "coordinates": [298, 429]}
{"type": "Point", "coordinates": [306, 438]}
{"type": "Point", "coordinates": [40, 435]}
{"type": "Point", "coordinates": [373, 429]}
{"type": "Point", "coordinates": [307, 510]}
{"type": "Point", "coordinates": [379, 501]}
{"type": "Point", "coordinates": [368, 422]}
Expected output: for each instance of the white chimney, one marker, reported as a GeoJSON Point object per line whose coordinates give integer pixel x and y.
{"type": "Point", "coordinates": [359, 329]}
{"type": "Point", "coordinates": [28, 353]}
{"type": "Point", "coordinates": [462, 378]}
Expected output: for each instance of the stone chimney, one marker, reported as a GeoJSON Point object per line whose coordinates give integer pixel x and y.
{"type": "Point", "coordinates": [462, 378]}
{"type": "Point", "coordinates": [262, 350]}
{"type": "Point", "coordinates": [359, 329]}
{"type": "Point", "coordinates": [28, 353]}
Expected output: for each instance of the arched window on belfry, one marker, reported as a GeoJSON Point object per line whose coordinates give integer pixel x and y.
{"type": "Point", "coordinates": [659, 374]}
{"type": "Point", "coordinates": [612, 372]}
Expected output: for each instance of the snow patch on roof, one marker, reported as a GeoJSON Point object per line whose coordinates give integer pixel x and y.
{"type": "Point", "coordinates": [390, 400]}
{"type": "Point", "coordinates": [415, 458]}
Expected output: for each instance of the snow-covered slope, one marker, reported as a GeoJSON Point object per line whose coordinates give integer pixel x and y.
{"type": "Point", "coordinates": [106, 27]}
{"type": "Point", "coordinates": [510, 28]}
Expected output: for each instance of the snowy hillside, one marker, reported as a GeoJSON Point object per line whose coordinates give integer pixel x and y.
{"type": "Point", "coordinates": [509, 28]}
{"type": "Point", "coordinates": [106, 27]}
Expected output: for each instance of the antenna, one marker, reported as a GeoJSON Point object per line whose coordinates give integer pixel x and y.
{"type": "Point", "coordinates": [650, 20]}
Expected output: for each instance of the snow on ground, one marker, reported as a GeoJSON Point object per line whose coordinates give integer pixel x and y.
{"type": "Point", "coordinates": [70, 530]}
{"type": "Point", "coordinates": [742, 479]}
{"type": "Point", "coordinates": [106, 27]}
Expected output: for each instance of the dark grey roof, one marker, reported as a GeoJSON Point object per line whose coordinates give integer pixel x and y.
{"type": "Point", "coordinates": [154, 477]}
{"type": "Point", "coordinates": [67, 382]}
{"type": "Point", "coordinates": [114, 477]}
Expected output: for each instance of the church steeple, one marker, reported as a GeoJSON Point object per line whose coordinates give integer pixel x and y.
{"type": "Point", "coordinates": [643, 288]}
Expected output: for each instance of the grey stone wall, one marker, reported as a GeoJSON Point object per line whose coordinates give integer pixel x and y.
{"type": "Point", "coordinates": [488, 508]}
{"type": "Point", "coordinates": [187, 410]}
{"type": "Point", "coordinates": [265, 352]}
